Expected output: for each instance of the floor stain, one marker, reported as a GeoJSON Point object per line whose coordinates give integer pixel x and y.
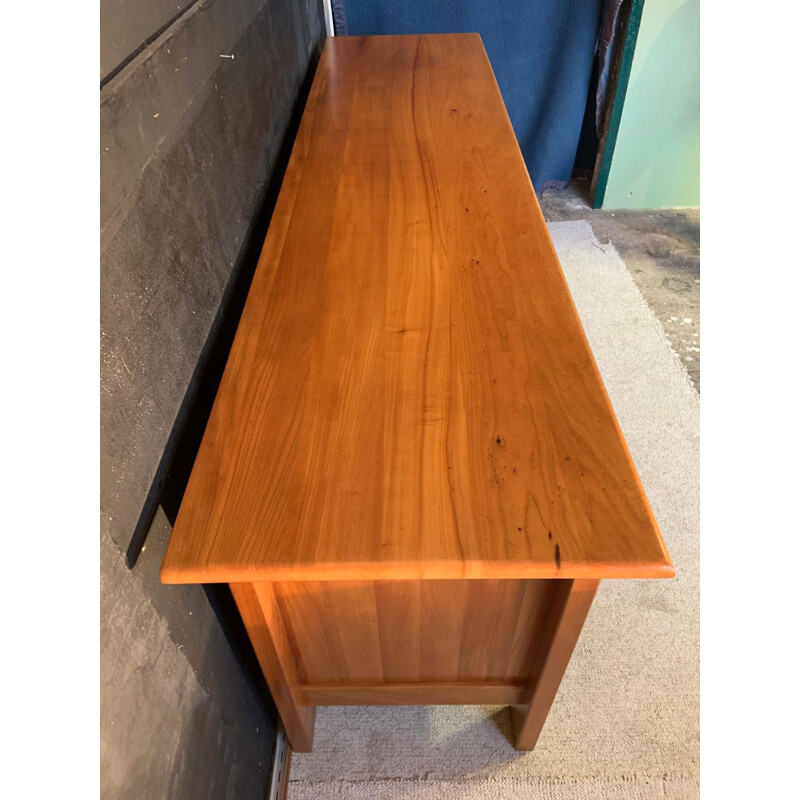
{"type": "Point", "coordinates": [660, 248]}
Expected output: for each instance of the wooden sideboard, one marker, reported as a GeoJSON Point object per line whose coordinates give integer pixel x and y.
{"type": "Point", "coordinates": [412, 476]}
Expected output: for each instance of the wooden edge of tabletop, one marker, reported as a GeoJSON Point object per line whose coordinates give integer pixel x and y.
{"type": "Point", "coordinates": [397, 570]}
{"type": "Point", "coordinates": [174, 572]}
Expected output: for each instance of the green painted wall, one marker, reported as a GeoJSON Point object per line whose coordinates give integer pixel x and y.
{"type": "Point", "coordinates": [656, 161]}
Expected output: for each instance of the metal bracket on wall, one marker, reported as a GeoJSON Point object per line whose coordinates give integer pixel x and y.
{"type": "Point", "coordinates": [328, 12]}
{"type": "Point", "coordinates": [279, 778]}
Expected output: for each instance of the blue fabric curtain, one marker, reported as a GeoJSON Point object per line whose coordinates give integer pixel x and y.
{"type": "Point", "coordinates": [541, 51]}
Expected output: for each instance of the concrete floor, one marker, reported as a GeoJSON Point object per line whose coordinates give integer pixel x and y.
{"type": "Point", "coordinates": [661, 250]}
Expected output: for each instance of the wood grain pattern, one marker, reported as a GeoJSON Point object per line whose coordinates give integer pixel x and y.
{"type": "Point", "coordinates": [434, 693]}
{"type": "Point", "coordinates": [373, 632]}
{"type": "Point", "coordinates": [563, 624]}
{"type": "Point", "coordinates": [410, 393]}
{"type": "Point", "coordinates": [256, 603]}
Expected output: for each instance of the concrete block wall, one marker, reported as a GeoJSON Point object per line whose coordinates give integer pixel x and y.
{"type": "Point", "coordinates": [192, 151]}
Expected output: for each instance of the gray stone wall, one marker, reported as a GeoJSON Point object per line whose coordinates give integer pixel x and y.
{"type": "Point", "coordinates": [192, 150]}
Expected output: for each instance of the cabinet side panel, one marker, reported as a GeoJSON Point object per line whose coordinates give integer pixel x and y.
{"type": "Point", "coordinates": [334, 626]}
{"type": "Point", "coordinates": [387, 632]}
{"type": "Point", "coordinates": [399, 606]}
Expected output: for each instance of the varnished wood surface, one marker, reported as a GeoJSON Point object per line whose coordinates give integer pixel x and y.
{"type": "Point", "coordinates": [414, 694]}
{"type": "Point", "coordinates": [410, 393]}
{"type": "Point", "coordinates": [414, 642]}
{"type": "Point", "coordinates": [362, 632]}
{"type": "Point", "coordinates": [557, 639]}
{"type": "Point", "coordinates": [265, 628]}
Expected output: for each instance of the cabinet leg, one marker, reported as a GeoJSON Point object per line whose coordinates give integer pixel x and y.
{"type": "Point", "coordinates": [571, 603]}
{"type": "Point", "coordinates": [260, 614]}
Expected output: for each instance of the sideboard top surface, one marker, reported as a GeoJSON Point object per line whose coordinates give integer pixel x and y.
{"type": "Point", "coordinates": [410, 393]}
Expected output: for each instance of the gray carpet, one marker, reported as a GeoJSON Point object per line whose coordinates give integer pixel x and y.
{"type": "Point", "coordinates": [625, 723]}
